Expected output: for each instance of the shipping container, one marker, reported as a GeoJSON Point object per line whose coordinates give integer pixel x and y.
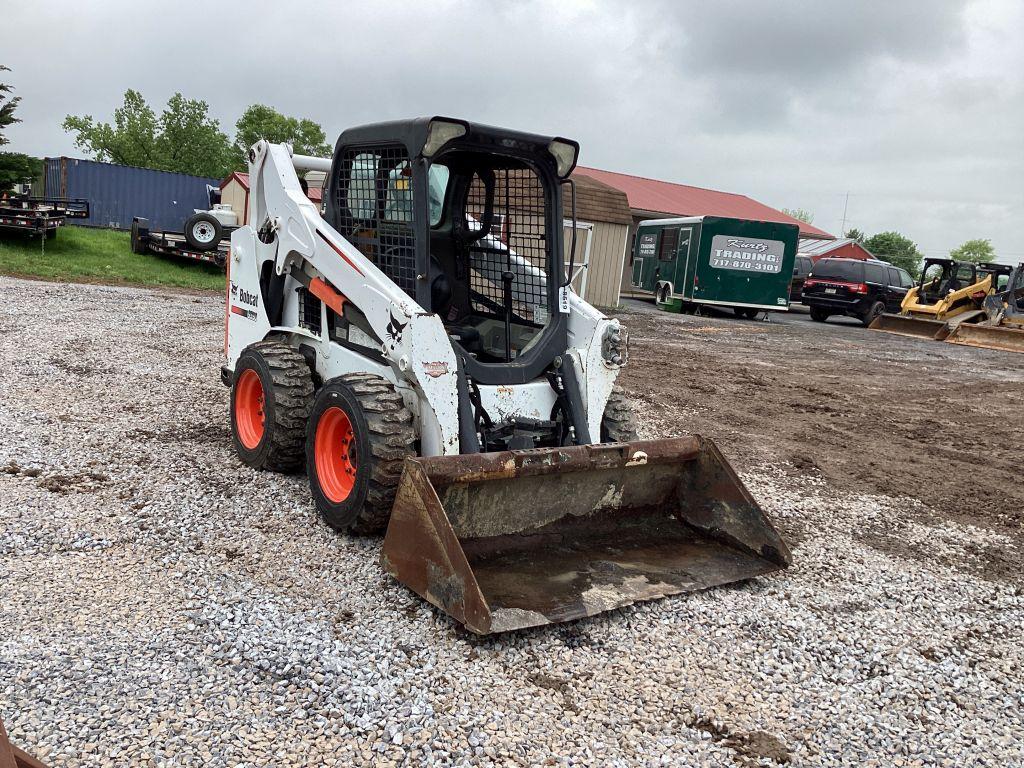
{"type": "Point", "coordinates": [118, 193]}
{"type": "Point", "coordinates": [746, 265]}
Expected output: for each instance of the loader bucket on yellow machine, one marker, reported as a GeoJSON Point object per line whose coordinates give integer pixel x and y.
{"type": "Point", "coordinates": [515, 539]}
{"type": "Point", "coordinates": [907, 325]}
{"type": "Point", "coordinates": [988, 336]}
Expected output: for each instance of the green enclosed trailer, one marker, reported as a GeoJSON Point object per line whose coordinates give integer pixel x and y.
{"type": "Point", "coordinates": [746, 265]}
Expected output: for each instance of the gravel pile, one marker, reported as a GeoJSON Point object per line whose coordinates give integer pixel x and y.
{"type": "Point", "coordinates": [162, 605]}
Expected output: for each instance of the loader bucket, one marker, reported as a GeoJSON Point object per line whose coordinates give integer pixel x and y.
{"type": "Point", "coordinates": [515, 539]}
{"type": "Point", "coordinates": [989, 337]}
{"type": "Point", "coordinates": [906, 325]}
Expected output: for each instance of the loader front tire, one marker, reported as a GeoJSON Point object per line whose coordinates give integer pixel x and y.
{"type": "Point", "coordinates": [271, 394]}
{"type": "Point", "coordinates": [618, 424]}
{"type": "Point", "coordinates": [358, 438]}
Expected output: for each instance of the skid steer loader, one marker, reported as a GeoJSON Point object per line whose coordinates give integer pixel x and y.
{"type": "Point", "coordinates": [419, 351]}
{"type": "Point", "coordinates": [949, 293]}
{"type": "Point", "coordinates": [1003, 325]}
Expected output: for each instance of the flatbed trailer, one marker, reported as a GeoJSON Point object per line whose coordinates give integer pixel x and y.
{"type": "Point", "coordinates": [144, 240]}
{"type": "Point", "coordinates": [40, 215]}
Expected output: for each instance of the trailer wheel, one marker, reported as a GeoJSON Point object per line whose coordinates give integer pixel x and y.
{"type": "Point", "coordinates": [618, 425]}
{"type": "Point", "coordinates": [203, 232]}
{"type": "Point", "coordinates": [748, 312]}
{"type": "Point", "coordinates": [358, 438]}
{"type": "Point", "coordinates": [270, 399]}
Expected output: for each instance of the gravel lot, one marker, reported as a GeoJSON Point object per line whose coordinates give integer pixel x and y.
{"type": "Point", "coordinates": [163, 605]}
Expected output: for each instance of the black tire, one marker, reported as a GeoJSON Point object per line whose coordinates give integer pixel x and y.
{"type": "Point", "coordinates": [51, 233]}
{"type": "Point", "coordinates": [138, 244]}
{"type": "Point", "coordinates": [382, 437]}
{"type": "Point", "coordinates": [819, 315]}
{"type": "Point", "coordinates": [747, 312]}
{"type": "Point", "coordinates": [618, 425]}
{"type": "Point", "coordinates": [203, 232]}
{"type": "Point", "coordinates": [876, 309]}
{"type": "Point", "coordinates": [287, 392]}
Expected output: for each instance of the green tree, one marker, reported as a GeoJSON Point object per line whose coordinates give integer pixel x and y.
{"type": "Point", "coordinates": [896, 249]}
{"type": "Point", "coordinates": [856, 235]}
{"type": "Point", "coordinates": [799, 213]}
{"type": "Point", "coordinates": [7, 106]}
{"type": "Point", "coordinates": [262, 122]}
{"type": "Point", "coordinates": [15, 168]}
{"type": "Point", "coordinates": [184, 138]}
{"type": "Point", "coordinates": [977, 251]}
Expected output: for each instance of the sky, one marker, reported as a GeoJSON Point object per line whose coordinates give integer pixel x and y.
{"type": "Point", "coordinates": [899, 115]}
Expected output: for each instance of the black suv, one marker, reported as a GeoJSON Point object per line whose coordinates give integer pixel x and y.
{"type": "Point", "coordinates": [855, 288]}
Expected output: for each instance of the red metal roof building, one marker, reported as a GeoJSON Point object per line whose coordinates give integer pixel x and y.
{"type": "Point", "coordinates": [651, 199]}
{"type": "Point", "coordinates": [833, 249]}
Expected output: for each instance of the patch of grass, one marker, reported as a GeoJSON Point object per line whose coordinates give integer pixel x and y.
{"type": "Point", "coordinates": [90, 255]}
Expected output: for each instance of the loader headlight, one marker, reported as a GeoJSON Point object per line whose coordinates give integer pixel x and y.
{"type": "Point", "coordinates": [440, 132]}
{"type": "Point", "coordinates": [615, 346]}
{"type": "Point", "coordinates": [564, 152]}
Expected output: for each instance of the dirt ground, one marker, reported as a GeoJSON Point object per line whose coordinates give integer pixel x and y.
{"type": "Point", "coordinates": [867, 411]}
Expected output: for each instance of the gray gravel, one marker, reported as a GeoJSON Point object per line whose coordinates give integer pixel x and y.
{"type": "Point", "coordinates": [163, 605]}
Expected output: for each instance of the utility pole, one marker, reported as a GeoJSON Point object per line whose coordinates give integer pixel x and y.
{"type": "Point", "coordinates": [845, 206]}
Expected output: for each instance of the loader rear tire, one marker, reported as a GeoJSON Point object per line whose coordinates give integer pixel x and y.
{"type": "Point", "coordinates": [271, 394]}
{"type": "Point", "coordinates": [618, 424]}
{"type": "Point", "coordinates": [358, 438]}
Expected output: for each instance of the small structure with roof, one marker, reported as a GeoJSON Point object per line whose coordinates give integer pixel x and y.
{"type": "Point", "coordinates": [845, 248]}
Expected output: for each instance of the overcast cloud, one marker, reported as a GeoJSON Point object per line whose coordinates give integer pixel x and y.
{"type": "Point", "coordinates": [914, 108]}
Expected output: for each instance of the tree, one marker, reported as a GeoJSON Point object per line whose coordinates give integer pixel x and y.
{"type": "Point", "coordinates": [7, 106]}
{"type": "Point", "coordinates": [977, 251]}
{"type": "Point", "coordinates": [896, 249]}
{"type": "Point", "coordinates": [262, 122]}
{"type": "Point", "coordinates": [15, 168]}
{"type": "Point", "coordinates": [184, 139]}
{"type": "Point", "coordinates": [855, 235]}
{"type": "Point", "coordinates": [799, 213]}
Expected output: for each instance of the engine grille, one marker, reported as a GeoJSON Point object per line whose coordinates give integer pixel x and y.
{"type": "Point", "coordinates": [376, 210]}
{"type": "Point", "coordinates": [309, 311]}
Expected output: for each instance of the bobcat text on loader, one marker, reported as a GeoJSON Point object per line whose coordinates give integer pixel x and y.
{"type": "Point", "coordinates": [419, 351]}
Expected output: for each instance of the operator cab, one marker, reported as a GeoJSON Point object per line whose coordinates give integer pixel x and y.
{"type": "Point", "coordinates": [468, 221]}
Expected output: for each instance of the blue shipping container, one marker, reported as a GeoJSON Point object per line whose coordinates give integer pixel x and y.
{"type": "Point", "coordinates": [117, 193]}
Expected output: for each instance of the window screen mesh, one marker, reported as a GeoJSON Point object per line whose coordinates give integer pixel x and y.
{"type": "Point", "coordinates": [376, 210]}
{"type": "Point", "coordinates": [516, 243]}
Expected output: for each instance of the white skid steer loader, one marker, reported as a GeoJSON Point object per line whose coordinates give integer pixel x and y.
{"type": "Point", "coordinates": [420, 352]}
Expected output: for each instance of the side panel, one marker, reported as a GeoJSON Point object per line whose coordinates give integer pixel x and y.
{"type": "Point", "coordinates": [688, 263]}
{"type": "Point", "coordinates": [745, 263]}
{"type": "Point", "coordinates": [645, 262]}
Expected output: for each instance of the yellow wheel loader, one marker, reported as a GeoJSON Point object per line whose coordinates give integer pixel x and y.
{"type": "Point", "coordinates": [1003, 325]}
{"type": "Point", "coordinates": [419, 351]}
{"type": "Point", "coordinates": [949, 293]}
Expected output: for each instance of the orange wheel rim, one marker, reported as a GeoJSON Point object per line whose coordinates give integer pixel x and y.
{"type": "Point", "coordinates": [249, 408]}
{"type": "Point", "coordinates": [333, 451]}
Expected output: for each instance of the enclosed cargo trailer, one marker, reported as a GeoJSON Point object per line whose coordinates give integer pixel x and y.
{"type": "Point", "coordinates": [714, 260]}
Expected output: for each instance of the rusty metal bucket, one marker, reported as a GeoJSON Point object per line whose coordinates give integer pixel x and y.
{"type": "Point", "coordinates": [908, 325]}
{"type": "Point", "coordinates": [516, 539]}
{"type": "Point", "coordinates": [988, 336]}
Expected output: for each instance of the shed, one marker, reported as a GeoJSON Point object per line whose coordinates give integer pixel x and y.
{"type": "Point", "coordinates": [654, 199]}
{"type": "Point", "coordinates": [603, 220]}
{"type": "Point", "coordinates": [117, 193]}
{"type": "Point", "coordinates": [845, 248]}
{"type": "Point", "coordinates": [234, 191]}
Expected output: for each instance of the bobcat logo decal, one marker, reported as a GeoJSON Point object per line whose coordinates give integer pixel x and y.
{"type": "Point", "coordinates": [394, 329]}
